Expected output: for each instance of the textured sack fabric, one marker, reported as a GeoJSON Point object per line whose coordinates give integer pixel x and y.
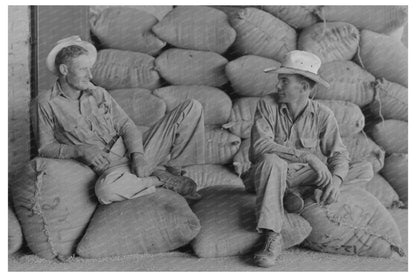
{"type": "Point", "coordinates": [396, 173]}
{"type": "Point", "coordinates": [296, 16]}
{"type": "Point", "coordinates": [248, 78]}
{"type": "Point", "coordinates": [54, 201]}
{"type": "Point", "coordinates": [127, 28]}
{"type": "Point", "coordinates": [330, 41]}
{"type": "Point", "coordinates": [260, 33]}
{"type": "Point", "coordinates": [221, 146]}
{"type": "Point", "coordinates": [348, 115]}
{"type": "Point", "coordinates": [390, 101]}
{"type": "Point", "coordinates": [242, 116]}
{"type": "Point", "coordinates": [159, 11]}
{"type": "Point", "coordinates": [391, 135]}
{"type": "Point", "coordinates": [379, 19]}
{"type": "Point", "coordinates": [361, 147]}
{"type": "Point", "coordinates": [153, 223]}
{"type": "Point", "coordinates": [196, 27]}
{"type": "Point", "coordinates": [349, 82]}
{"type": "Point", "coordinates": [241, 160]}
{"type": "Point", "coordinates": [191, 67]}
{"type": "Point", "coordinates": [124, 69]}
{"type": "Point", "coordinates": [209, 175]}
{"type": "Point", "coordinates": [14, 233]}
{"type": "Point", "coordinates": [228, 223]}
{"type": "Point", "coordinates": [140, 105]}
{"type": "Point", "coordinates": [357, 224]}
{"type": "Point", "coordinates": [216, 103]}
{"type": "Point", "coordinates": [384, 57]}
{"type": "Point", "coordinates": [382, 190]}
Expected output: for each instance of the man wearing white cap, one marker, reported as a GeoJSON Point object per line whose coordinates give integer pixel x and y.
{"type": "Point", "coordinates": [78, 120]}
{"type": "Point", "coordinates": [296, 151]}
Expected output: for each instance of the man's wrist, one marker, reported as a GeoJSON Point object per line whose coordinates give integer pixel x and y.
{"type": "Point", "coordinates": [136, 154]}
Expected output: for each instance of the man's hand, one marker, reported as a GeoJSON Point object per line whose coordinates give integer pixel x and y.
{"type": "Point", "coordinates": [92, 155]}
{"type": "Point", "coordinates": [139, 166]}
{"type": "Point", "coordinates": [332, 191]}
{"type": "Point", "coordinates": [324, 176]}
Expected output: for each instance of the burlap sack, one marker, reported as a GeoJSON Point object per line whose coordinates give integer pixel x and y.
{"type": "Point", "coordinates": [391, 135]}
{"type": "Point", "coordinates": [390, 101]}
{"type": "Point", "coordinates": [361, 147]}
{"type": "Point", "coordinates": [197, 28]}
{"type": "Point", "coordinates": [159, 11]}
{"type": "Point", "coordinates": [228, 223]}
{"type": "Point", "coordinates": [153, 223]}
{"type": "Point", "coordinates": [209, 175]}
{"type": "Point", "coordinates": [379, 19]}
{"type": "Point", "coordinates": [298, 17]}
{"type": "Point", "coordinates": [330, 41]}
{"type": "Point", "coordinates": [124, 69]}
{"type": "Point", "coordinates": [396, 173]}
{"type": "Point", "coordinates": [241, 160]}
{"type": "Point", "coordinates": [140, 105]}
{"type": "Point", "coordinates": [216, 103]}
{"type": "Point", "coordinates": [190, 67]}
{"type": "Point", "coordinates": [248, 78]}
{"type": "Point", "coordinates": [54, 201]}
{"type": "Point", "coordinates": [242, 116]}
{"type": "Point", "coordinates": [260, 33]}
{"type": "Point", "coordinates": [15, 240]}
{"type": "Point", "coordinates": [357, 224]}
{"type": "Point", "coordinates": [127, 28]}
{"type": "Point", "coordinates": [349, 82]}
{"type": "Point", "coordinates": [382, 190]}
{"type": "Point", "coordinates": [384, 57]}
{"type": "Point", "coordinates": [220, 146]}
{"type": "Point", "coordinates": [348, 115]}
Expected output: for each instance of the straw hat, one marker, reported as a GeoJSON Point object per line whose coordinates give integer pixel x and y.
{"type": "Point", "coordinates": [73, 40]}
{"type": "Point", "coordinates": [302, 63]}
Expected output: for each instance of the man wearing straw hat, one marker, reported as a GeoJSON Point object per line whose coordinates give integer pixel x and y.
{"type": "Point", "coordinates": [296, 151]}
{"type": "Point", "coordinates": [78, 120]}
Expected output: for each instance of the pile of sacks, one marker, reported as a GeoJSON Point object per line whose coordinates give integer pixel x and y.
{"type": "Point", "coordinates": [152, 58]}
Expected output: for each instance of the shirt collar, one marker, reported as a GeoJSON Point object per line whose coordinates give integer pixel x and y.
{"type": "Point", "coordinates": [308, 109]}
{"type": "Point", "coordinates": [57, 91]}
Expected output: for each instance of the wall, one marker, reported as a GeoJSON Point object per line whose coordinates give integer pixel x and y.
{"type": "Point", "coordinates": [19, 89]}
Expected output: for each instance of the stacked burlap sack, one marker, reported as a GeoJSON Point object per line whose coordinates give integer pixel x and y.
{"type": "Point", "coordinates": [152, 59]}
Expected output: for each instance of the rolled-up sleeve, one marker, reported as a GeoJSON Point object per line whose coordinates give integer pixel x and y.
{"type": "Point", "coordinates": [333, 147]}
{"type": "Point", "coordinates": [263, 136]}
{"type": "Point", "coordinates": [48, 146]}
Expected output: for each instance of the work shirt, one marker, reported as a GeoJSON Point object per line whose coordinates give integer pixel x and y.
{"type": "Point", "coordinates": [315, 131]}
{"type": "Point", "coordinates": [95, 118]}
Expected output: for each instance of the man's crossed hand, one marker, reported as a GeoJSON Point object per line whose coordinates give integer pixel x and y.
{"type": "Point", "coordinates": [328, 186]}
{"type": "Point", "coordinates": [93, 156]}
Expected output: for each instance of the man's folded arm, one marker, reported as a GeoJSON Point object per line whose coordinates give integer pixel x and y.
{"type": "Point", "coordinates": [263, 135]}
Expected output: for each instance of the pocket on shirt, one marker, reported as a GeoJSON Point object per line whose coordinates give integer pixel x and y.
{"type": "Point", "coordinates": [308, 142]}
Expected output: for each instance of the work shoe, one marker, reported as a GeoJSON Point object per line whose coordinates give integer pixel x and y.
{"type": "Point", "coordinates": [271, 250]}
{"type": "Point", "coordinates": [182, 185]}
{"type": "Point", "coordinates": [293, 202]}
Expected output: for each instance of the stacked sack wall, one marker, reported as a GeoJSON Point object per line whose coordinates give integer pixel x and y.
{"type": "Point", "coordinates": [217, 55]}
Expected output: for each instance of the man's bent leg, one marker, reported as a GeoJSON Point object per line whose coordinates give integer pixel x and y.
{"type": "Point", "coordinates": [118, 184]}
{"type": "Point", "coordinates": [359, 174]}
{"type": "Point", "coordinates": [180, 134]}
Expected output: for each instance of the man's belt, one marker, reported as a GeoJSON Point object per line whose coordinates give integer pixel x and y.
{"type": "Point", "coordinates": [111, 143]}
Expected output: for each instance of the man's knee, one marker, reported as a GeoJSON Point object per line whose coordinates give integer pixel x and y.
{"type": "Point", "coordinates": [105, 189]}
{"type": "Point", "coordinates": [192, 107]}
{"type": "Point", "coordinates": [271, 159]}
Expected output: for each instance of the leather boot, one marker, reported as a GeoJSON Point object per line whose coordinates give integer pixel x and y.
{"type": "Point", "coordinates": [271, 250]}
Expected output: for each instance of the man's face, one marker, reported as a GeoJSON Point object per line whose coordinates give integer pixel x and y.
{"type": "Point", "coordinates": [79, 72]}
{"type": "Point", "coordinates": [289, 88]}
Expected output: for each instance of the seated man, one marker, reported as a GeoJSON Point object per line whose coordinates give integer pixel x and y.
{"type": "Point", "coordinates": [77, 120]}
{"type": "Point", "coordinates": [296, 151]}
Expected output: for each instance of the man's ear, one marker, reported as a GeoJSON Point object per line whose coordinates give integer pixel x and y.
{"type": "Point", "coordinates": [63, 69]}
{"type": "Point", "coordinates": [305, 86]}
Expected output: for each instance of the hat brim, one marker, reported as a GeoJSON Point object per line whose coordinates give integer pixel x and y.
{"type": "Point", "coordinates": [50, 59]}
{"type": "Point", "coordinates": [310, 75]}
